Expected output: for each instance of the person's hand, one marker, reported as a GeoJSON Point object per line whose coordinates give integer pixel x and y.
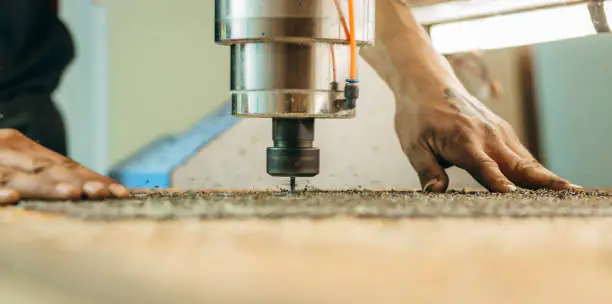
{"type": "Point", "coordinates": [447, 127]}
{"type": "Point", "coordinates": [31, 171]}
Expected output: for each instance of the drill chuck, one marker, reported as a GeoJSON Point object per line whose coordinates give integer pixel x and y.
{"type": "Point", "coordinates": [293, 153]}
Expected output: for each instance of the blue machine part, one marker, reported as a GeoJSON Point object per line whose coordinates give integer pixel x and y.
{"type": "Point", "coordinates": [152, 166]}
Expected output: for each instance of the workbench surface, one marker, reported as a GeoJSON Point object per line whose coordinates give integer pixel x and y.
{"type": "Point", "coordinates": [50, 258]}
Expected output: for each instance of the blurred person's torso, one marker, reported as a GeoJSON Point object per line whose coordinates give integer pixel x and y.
{"type": "Point", "coordinates": [35, 48]}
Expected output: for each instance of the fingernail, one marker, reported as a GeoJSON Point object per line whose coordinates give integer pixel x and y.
{"type": "Point", "coordinates": [93, 187]}
{"type": "Point", "coordinates": [576, 187]}
{"type": "Point", "coordinates": [511, 187]}
{"type": "Point", "coordinates": [8, 197]}
{"type": "Point", "coordinates": [118, 190]}
{"type": "Point", "coordinates": [429, 186]}
{"type": "Point", "coordinates": [67, 190]}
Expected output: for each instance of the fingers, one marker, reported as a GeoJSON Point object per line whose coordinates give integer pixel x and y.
{"type": "Point", "coordinates": [431, 174]}
{"type": "Point", "coordinates": [93, 185]}
{"type": "Point", "coordinates": [31, 186]}
{"type": "Point", "coordinates": [522, 168]}
{"type": "Point", "coordinates": [528, 173]}
{"type": "Point", "coordinates": [102, 185]}
{"type": "Point", "coordinates": [485, 170]}
{"type": "Point", "coordinates": [8, 196]}
{"type": "Point", "coordinates": [35, 172]}
{"type": "Point", "coordinates": [20, 185]}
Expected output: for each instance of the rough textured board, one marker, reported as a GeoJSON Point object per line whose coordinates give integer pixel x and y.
{"type": "Point", "coordinates": [325, 204]}
{"type": "Point", "coordinates": [563, 260]}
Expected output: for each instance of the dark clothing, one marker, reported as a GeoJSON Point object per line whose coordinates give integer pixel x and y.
{"type": "Point", "coordinates": [35, 49]}
{"type": "Point", "coordinates": [37, 117]}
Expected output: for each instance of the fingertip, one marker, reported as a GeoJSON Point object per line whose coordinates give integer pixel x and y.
{"type": "Point", "coordinates": [95, 190]}
{"type": "Point", "coordinates": [435, 186]}
{"type": "Point", "coordinates": [68, 191]}
{"type": "Point", "coordinates": [503, 186]}
{"type": "Point", "coordinates": [560, 185]}
{"type": "Point", "coordinates": [576, 188]}
{"type": "Point", "coordinates": [8, 197]}
{"type": "Point", "coordinates": [118, 190]}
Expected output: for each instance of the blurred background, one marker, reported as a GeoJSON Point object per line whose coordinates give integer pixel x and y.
{"type": "Point", "coordinates": [146, 69]}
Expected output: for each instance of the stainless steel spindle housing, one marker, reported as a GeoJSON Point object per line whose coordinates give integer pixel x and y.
{"type": "Point", "coordinates": [281, 55]}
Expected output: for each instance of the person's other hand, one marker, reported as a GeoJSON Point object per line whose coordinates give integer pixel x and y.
{"type": "Point", "coordinates": [451, 128]}
{"type": "Point", "coordinates": [31, 171]}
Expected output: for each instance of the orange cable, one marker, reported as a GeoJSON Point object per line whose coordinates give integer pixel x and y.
{"type": "Point", "coordinates": [353, 73]}
{"type": "Point", "coordinates": [342, 19]}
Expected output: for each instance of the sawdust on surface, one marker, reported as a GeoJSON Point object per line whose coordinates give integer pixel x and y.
{"type": "Point", "coordinates": [317, 204]}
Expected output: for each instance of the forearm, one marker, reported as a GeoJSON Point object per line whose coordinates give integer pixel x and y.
{"type": "Point", "coordinates": [403, 54]}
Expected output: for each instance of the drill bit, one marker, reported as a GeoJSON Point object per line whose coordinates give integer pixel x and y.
{"type": "Point", "coordinates": [292, 184]}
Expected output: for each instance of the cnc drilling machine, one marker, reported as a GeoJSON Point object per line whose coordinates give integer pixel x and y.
{"type": "Point", "coordinates": [287, 59]}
